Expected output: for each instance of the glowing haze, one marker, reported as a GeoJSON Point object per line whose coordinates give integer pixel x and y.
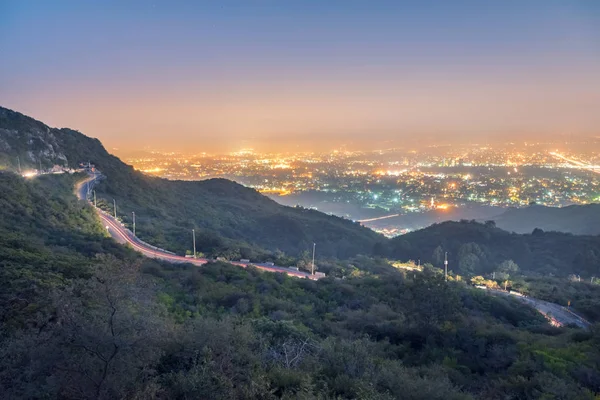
{"type": "Point", "coordinates": [210, 76]}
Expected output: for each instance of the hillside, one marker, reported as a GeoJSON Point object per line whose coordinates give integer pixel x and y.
{"type": "Point", "coordinates": [47, 237]}
{"type": "Point", "coordinates": [81, 325]}
{"type": "Point", "coordinates": [576, 219]}
{"type": "Point", "coordinates": [230, 219]}
{"type": "Point", "coordinates": [85, 318]}
{"type": "Point", "coordinates": [475, 248]}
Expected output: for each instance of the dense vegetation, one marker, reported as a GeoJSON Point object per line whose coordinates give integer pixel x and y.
{"type": "Point", "coordinates": [85, 318]}
{"type": "Point", "coordinates": [476, 249]}
{"type": "Point", "coordinates": [79, 325]}
{"type": "Point", "coordinates": [154, 330]}
{"type": "Point", "coordinates": [46, 238]}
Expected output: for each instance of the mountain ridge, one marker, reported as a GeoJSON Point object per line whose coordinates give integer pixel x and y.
{"type": "Point", "coordinates": [576, 219]}
{"type": "Point", "coordinates": [476, 248]}
{"type": "Point", "coordinates": [225, 214]}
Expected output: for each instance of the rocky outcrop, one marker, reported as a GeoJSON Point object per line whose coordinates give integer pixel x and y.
{"type": "Point", "coordinates": [31, 141]}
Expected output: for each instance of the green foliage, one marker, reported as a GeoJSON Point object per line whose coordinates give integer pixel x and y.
{"type": "Point", "coordinates": [583, 296]}
{"type": "Point", "coordinates": [480, 249]}
{"type": "Point", "coordinates": [84, 318]}
{"type": "Point", "coordinates": [47, 238]}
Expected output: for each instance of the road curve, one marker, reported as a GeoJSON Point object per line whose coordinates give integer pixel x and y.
{"type": "Point", "coordinates": [554, 312]}
{"type": "Point", "coordinates": [123, 235]}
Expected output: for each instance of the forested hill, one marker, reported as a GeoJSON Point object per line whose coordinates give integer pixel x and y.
{"type": "Point", "coordinates": [230, 219]}
{"type": "Point", "coordinates": [474, 249]}
{"type": "Point", "coordinates": [576, 219]}
{"type": "Point", "coordinates": [75, 324]}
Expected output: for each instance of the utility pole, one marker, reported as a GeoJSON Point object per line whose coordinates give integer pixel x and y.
{"type": "Point", "coordinates": [446, 266]}
{"type": "Point", "coordinates": [133, 213]}
{"type": "Point", "coordinates": [313, 261]}
{"type": "Point", "coordinates": [194, 237]}
{"type": "Point", "coordinates": [115, 207]}
{"type": "Point", "coordinates": [19, 164]}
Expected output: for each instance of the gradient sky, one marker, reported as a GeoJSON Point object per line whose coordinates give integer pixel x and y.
{"type": "Point", "coordinates": [221, 75]}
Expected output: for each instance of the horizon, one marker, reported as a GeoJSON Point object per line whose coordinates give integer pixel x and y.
{"type": "Point", "coordinates": [304, 76]}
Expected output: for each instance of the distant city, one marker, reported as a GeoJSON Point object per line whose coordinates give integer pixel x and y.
{"type": "Point", "coordinates": [397, 190]}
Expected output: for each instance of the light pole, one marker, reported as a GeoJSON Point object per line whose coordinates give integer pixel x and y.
{"type": "Point", "coordinates": [19, 164]}
{"type": "Point", "coordinates": [194, 237]}
{"type": "Point", "coordinates": [95, 198]}
{"type": "Point", "coordinates": [446, 266]}
{"type": "Point", "coordinates": [133, 213]}
{"type": "Point", "coordinates": [313, 260]}
{"type": "Point", "coordinates": [115, 207]}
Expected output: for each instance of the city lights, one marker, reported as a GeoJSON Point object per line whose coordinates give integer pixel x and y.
{"type": "Point", "coordinates": [373, 188]}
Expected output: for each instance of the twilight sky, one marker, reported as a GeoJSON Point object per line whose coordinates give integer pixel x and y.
{"type": "Point", "coordinates": [221, 75]}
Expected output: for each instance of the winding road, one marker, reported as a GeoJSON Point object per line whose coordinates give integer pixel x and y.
{"type": "Point", "coordinates": [123, 235]}
{"type": "Point", "coordinates": [557, 314]}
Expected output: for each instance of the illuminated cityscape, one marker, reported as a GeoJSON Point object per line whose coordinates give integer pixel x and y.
{"type": "Point", "coordinates": [381, 188]}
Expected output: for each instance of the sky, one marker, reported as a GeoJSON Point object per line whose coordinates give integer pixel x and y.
{"type": "Point", "coordinates": [283, 75]}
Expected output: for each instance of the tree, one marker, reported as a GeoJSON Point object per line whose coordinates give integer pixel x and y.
{"type": "Point", "coordinates": [467, 263]}
{"type": "Point", "coordinates": [305, 261]}
{"type": "Point", "coordinates": [105, 340]}
{"type": "Point", "coordinates": [506, 269]}
{"type": "Point", "coordinates": [438, 255]}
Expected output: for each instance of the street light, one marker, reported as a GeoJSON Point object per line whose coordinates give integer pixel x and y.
{"type": "Point", "coordinates": [194, 237]}
{"type": "Point", "coordinates": [313, 260]}
{"type": "Point", "coordinates": [115, 207]}
{"type": "Point", "coordinates": [446, 266]}
{"type": "Point", "coordinates": [133, 213]}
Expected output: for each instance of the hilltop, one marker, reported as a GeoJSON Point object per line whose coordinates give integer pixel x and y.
{"type": "Point", "coordinates": [479, 248]}
{"type": "Point", "coordinates": [575, 219]}
{"type": "Point", "coordinates": [230, 220]}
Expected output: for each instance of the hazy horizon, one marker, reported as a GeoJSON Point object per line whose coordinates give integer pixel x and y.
{"type": "Point", "coordinates": [304, 75]}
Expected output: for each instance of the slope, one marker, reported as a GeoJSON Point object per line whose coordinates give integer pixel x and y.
{"type": "Point", "coordinates": [46, 238]}
{"type": "Point", "coordinates": [230, 219]}
{"type": "Point", "coordinates": [576, 219]}
{"type": "Point", "coordinates": [475, 248]}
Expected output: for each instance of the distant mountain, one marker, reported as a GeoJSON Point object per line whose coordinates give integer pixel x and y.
{"type": "Point", "coordinates": [476, 248]}
{"type": "Point", "coordinates": [576, 219]}
{"type": "Point", "coordinates": [229, 219]}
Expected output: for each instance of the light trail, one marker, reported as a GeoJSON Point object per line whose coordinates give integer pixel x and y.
{"type": "Point", "coordinates": [378, 218]}
{"type": "Point", "coordinates": [589, 167]}
{"type": "Point", "coordinates": [121, 234]}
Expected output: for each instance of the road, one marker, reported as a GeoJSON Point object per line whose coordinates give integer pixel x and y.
{"type": "Point", "coordinates": [123, 235]}
{"type": "Point", "coordinates": [576, 163]}
{"type": "Point", "coordinates": [557, 314]}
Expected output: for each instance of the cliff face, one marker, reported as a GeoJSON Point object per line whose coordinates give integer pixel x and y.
{"type": "Point", "coordinates": [29, 140]}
